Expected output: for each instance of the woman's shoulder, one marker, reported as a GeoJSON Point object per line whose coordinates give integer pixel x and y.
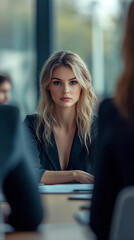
{"type": "Point", "coordinates": [32, 116]}
{"type": "Point", "coordinates": [94, 127]}
{"type": "Point", "coordinates": [31, 119]}
{"type": "Point", "coordinates": [95, 121]}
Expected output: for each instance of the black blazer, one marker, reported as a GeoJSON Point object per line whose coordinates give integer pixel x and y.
{"type": "Point", "coordinates": [114, 165]}
{"type": "Point", "coordinates": [46, 157]}
{"type": "Point", "coordinates": [16, 178]}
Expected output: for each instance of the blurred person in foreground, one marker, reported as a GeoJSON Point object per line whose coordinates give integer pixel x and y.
{"type": "Point", "coordinates": [16, 179]}
{"type": "Point", "coordinates": [115, 152]}
{"type": "Point", "coordinates": [5, 88]}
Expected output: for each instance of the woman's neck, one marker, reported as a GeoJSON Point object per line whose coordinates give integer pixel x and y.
{"type": "Point", "coordinates": [66, 117]}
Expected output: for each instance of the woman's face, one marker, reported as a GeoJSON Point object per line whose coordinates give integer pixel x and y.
{"type": "Point", "coordinates": [64, 87]}
{"type": "Point", "coordinates": [5, 88]}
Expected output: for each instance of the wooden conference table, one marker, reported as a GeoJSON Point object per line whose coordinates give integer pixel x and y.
{"type": "Point", "coordinates": [59, 223]}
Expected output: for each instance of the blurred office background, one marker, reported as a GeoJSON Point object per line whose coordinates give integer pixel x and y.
{"type": "Point", "coordinates": [30, 30]}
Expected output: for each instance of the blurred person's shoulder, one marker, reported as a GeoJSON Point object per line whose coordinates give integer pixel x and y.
{"type": "Point", "coordinates": [108, 112]}
{"type": "Point", "coordinates": [9, 110]}
{"type": "Point", "coordinates": [107, 107]}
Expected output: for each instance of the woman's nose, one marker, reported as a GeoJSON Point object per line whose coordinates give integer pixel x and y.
{"type": "Point", "coordinates": [66, 88]}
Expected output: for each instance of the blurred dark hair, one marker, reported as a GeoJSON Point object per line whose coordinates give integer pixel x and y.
{"type": "Point", "coordinates": [125, 91]}
{"type": "Point", "coordinates": [5, 78]}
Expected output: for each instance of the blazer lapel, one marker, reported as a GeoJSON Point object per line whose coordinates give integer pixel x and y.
{"type": "Point", "coordinates": [53, 156]}
{"type": "Point", "coordinates": [77, 147]}
{"type": "Point", "coordinates": [52, 153]}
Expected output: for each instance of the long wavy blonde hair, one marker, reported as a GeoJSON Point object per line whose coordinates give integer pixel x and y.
{"type": "Point", "coordinates": [84, 106]}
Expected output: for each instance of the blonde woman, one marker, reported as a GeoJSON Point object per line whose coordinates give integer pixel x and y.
{"type": "Point", "coordinates": [64, 130]}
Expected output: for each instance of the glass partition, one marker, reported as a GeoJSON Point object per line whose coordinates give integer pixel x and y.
{"type": "Point", "coordinates": [17, 51]}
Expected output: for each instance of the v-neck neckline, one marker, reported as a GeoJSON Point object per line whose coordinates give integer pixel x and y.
{"type": "Point", "coordinates": [53, 156]}
{"type": "Point", "coordinates": [55, 146]}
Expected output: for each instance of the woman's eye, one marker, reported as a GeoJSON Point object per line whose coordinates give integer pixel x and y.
{"type": "Point", "coordinates": [57, 83]}
{"type": "Point", "coordinates": [73, 82]}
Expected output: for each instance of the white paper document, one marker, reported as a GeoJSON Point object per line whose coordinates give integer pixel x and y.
{"type": "Point", "coordinates": [65, 188]}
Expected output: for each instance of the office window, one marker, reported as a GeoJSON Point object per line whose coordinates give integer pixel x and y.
{"type": "Point", "coordinates": [17, 51]}
{"type": "Point", "coordinates": [94, 30]}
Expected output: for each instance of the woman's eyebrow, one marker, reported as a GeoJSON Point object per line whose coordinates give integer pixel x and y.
{"type": "Point", "coordinates": [72, 78]}
{"type": "Point", "coordinates": [62, 80]}
{"type": "Point", "coordinates": [56, 78]}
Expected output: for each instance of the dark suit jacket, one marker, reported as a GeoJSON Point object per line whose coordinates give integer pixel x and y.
{"type": "Point", "coordinates": [114, 165]}
{"type": "Point", "coordinates": [46, 157]}
{"type": "Point", "coordinates": [16, 178]}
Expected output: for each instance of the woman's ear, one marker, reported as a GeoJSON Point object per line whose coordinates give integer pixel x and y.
{"type": "Point", "coordinates": [48, 88]}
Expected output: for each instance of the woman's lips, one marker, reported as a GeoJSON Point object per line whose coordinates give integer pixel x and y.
{"type": "Point", "coordinates": [65, 99]}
